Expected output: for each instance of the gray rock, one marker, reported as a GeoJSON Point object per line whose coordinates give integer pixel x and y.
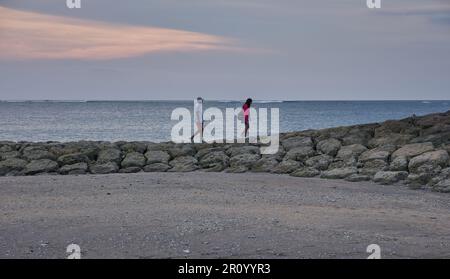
{"type": "Point", "coordinates": [36, 153]}
{"type": "Point", "coordinates": [109, 155]}
{"type": "Point", "coordinates": [417, 180]}
{"type": "Point", "coordinates": [305, 172]}
{"type": "Point", "coordinates": [162, 146]}
{"type": "Point", "coordinates": [104, 168]}
{"type": "Point", "coordinates": [320, 162]}
{"type": "Point", "coordinates": [12, 164]}
{"type": "Point", "coordinates": [238, 150]}
{"type": "Point", "coordinates": [40, 166]}
{"type": "Point", "coordinates": [264, 165]}
{"type": "Point", "coordinates": [9, 155]}
{"type": "Point", "coordinates": [373, 166]}
{"type": "Point", "coordinates": [350, 151]}
{"type": "Point", "coordinates": [133, 159]}
{"type": "Point", "coordinates": [432, 159]}
{"type": "Point", "coordinates": [442, 175]}
{"type": "Point", "coordinates": [357, 178]}
{"type": "Point", "coordinates": [244, 160]}
{"type": "Point", "coordinates": [443, 186]}
{"type": "Point", "coordinates": [70, 159]}
{"type": "Point", "coordinates": [297, 141]}
{"type": "Point", "coordinates": [300, 153]}
{"type": "Point", "coordinates": [205, 151]}
{"type": "Point", "coordinates": [130, 170]}
{"type": "Point", "coordinates": [214, 161]}
{"type": "Point", "coordinates": [157, 156]}
{"type": "Point", "coordinates": [399, 164]}
{"type": "Point", "coordinates": [389, 177]}
{"type": "Point", "coordinates": [338, 173]}
{"type": "Point", "coordinates": [356, 136]}
{"type": "Point", "coordinates": [156, 167]}
{"type": "Point", "coordinates": [183, 164]}
{"type": "Point", "coordinates": [78, 168]}
{"type": "Point", "coordinates": [287, 166]}
{"type": "Point", "coordinates": [329, 146]}
{"type": "Point", "coordinates": [182, 150]}
{"type": "Point", "coordinates": [391, 139]}
{"type": "Point", "coordinates": [7, 148]}
{"type": "Point", "coordinates": [378, 153]}
{"type": "Point", "coordinates": [413, 149]}
{"type": "Point", "coordinates": [135, 146]}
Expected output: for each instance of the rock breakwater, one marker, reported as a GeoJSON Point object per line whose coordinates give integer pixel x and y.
{"type": "Point", "coordinates": [413, 151]}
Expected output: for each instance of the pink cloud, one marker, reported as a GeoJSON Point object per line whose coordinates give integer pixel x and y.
{"type": "Point", "coordinates": [30, 35]}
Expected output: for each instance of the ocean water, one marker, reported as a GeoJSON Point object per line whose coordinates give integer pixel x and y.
{"type": "Point", "coordinates": [150, 120]}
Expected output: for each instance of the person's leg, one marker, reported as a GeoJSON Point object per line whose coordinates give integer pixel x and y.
{"type": "Point", "coordinates": [199, 130]}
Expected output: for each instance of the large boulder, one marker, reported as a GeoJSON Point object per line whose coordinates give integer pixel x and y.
{"type": "Point", "coordinates": [243, 162]}
{"type": "Point", "coordinates": [400, 163]}
{"type": "Point", "coordinates": [12, 165]}
{"type": "Point", "coordinates": [183, 164]}
{"type": "Point", "coordinates": [300, 153]}
{"type": "Point", "coordinates": [70, 159]}
{"type": "Point", "coordinates": [133, 159]}
{"type": "Point", "coordinates": [390, 139]}
{"type": "Point", "coordinates": [373, 166]}
{"type": "Point", "coordinates": [356, 135]}
{"type": "Point", "coordinates": [239, 150]}
{"type": "Point", "coordinates": [433, 159]}
{"type": "Point", "coordinates": [156, 167]}
{"type": "Point", "coordinates": [442, 186]}
{"type": "Point", "coordinates": [264, 165]}
{"type": "Point", "coordinates": [77, 168]}
{"type": "Point", "coordinates": [205, 151]}
{"type": "Point", "coordinates": [389, 177]}
{"type": "Point", "coordinates": [338, 173]}
{"type": "Point", "coordinates": [134, 146]}
{"type": "Point", "coordinates": [287, 166]}
{"type": "Point", "coordinates": [157, 156]}
{"type": "Point", "coordinates": [40, 166]}
{"type": "Point", "coordinates": [329, 146]}
{"type": "Point", "coordinates": [357, 177]}
{"type": "Point", "coordinates": [413, 149]}
{"type": "Point", "coordinates": [378, 153]}
{"type": "Point", "coordinates": [182, 150]}
{"type": "Point", "coordinates": [9, 155]}
{"type": "Point", "coordinates": [36, 153]}
{"type": "Point", "coordinates": [130, 170]}
{"type": "Point", "coordinates": [320, 162]}
{"type": "Point", "coordinates": [109, 155]}
{"type": "Point", "coordinates": [104, 168]}
{"type": "Point", "coordinates": [297, 141]}
{"type": "Point", "coordinates": [388, 127]}
{"type": "Point", "coordinates": [305, 172]}
{"type": "Point", "coordinates": [214, 161]}
{"type": "Point", "coordinates": [350, 151]}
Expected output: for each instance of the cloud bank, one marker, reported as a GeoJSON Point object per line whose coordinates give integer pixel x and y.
{"type": "Point", "coordinates": [30, 35]}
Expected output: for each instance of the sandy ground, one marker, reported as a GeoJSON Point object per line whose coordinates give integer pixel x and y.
{"type": "Point", "coordinates": [218, 215]}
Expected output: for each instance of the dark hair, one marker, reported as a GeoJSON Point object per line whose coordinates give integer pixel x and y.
{"type": "Point", "coordinates": [249, 101]}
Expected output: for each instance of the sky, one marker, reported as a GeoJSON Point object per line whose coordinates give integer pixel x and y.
{"type": "Point", "coordinates": [225, 50]}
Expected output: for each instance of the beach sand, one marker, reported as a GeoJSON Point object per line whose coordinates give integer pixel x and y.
{"type": "Point", "coordinates": [218, 215]}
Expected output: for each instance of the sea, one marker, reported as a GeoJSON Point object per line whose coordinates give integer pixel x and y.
{"type": "Point", "coordinates": [151, 120]}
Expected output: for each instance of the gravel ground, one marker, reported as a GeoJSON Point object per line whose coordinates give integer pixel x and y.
{"type": "Point", "coordinates": [218, 215]}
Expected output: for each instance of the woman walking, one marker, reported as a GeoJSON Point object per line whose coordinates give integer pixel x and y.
{"type": "Point", "coordinates": [246, 109]}
{"type": "Point", "coordinates": [198, 118]}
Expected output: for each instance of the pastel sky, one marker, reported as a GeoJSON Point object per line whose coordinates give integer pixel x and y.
{"type": "Point", "coordinates": [224, 49]}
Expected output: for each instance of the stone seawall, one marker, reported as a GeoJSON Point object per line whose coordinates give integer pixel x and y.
{"type": "Point", "coordinates": [413, 151]}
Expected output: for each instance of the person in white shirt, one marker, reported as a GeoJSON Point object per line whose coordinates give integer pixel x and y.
{"type": "Point", "coordinates": [198, 118]}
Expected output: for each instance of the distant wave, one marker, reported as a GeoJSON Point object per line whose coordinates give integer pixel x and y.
{"type": "Point", "coordinates": [256, 101]}
{"type": "Point", "coordinates": [43, 101]}
{"type": "Point", "coordinates": [426, 102]}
